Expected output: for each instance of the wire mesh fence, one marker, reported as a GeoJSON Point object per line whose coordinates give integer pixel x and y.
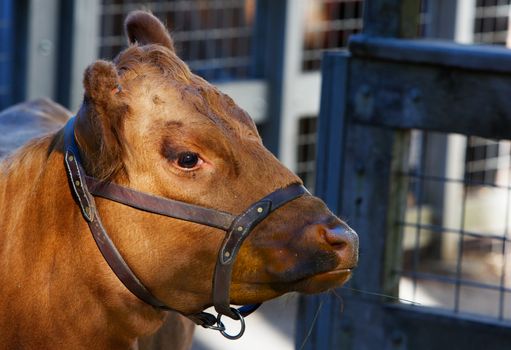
{"type": "Point", "coordinates": [456, 230]}
{"type": "Point", "coordinates": [328, 25]}
{"type": "Point", "coordinates": [491, 22]}
{"type": "Point", "coordinates": [214, 37]}
{"type": "Point", "coordinates": [306, 145]}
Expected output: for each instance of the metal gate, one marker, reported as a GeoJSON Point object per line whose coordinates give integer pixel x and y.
{"type": "Point", "coordinates": [391, 110]}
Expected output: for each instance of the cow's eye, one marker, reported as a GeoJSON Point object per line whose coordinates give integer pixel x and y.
{"type": "Point", "coordinates": [188, 160]}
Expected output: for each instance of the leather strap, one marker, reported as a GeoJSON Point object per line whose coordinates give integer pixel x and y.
{"type": "Point", "coordinates": [103, 241]}
{"type": "Point", "coordinates": [238, 228]}
{"type": "Point", "coordinates": [160, 205]}
{"type": "Point", "coordinates": [238, 232]}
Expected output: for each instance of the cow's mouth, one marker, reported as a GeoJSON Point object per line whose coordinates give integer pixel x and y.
{"type": "Point", "coordinates": [317, 282]}
{"type": "Point", "coordinates": [311, 283]}
{"type": "Point", "coordinates": [323, 281]}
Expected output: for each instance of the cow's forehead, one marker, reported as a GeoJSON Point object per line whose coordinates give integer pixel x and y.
{"type": "Point", "coordinates": [162, 77]}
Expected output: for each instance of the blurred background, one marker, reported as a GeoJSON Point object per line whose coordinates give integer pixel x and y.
{"type": "Point", "coordinates": [267, 56]}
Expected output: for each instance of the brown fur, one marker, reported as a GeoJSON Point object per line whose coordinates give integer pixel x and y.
{"type": "Point", "coordinates": [57, 290]}
{"type": "Point", "coordinates": [39, 117]}
{"type": "Point", "coordinates": [105, 112]}
{"type": "Point", "coordinates": [144, 29]}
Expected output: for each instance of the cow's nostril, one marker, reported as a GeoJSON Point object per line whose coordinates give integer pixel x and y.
{"type": "Point", "coordinates": [336, 237]}
{"type": "Point", "coordinates": [342, 238]}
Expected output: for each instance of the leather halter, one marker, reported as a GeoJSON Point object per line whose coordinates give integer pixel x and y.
{"type": "Point", "coordinates": [237, 227]}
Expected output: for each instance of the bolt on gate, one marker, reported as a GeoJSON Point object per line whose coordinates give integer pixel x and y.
{"type": "Point", "coordinates": [394, 121]}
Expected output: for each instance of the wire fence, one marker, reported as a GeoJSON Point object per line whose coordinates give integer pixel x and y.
{"type": "Point", "coordinates": [456, 232]}
{"type": "Point", "coordinates": [328, 25]}
{"type": "Point", "coordinates": [491, 22]}
{"type": "Point", "coordinates": [306, 144]}
{"type": "Point", "coordinates": [214, 37]}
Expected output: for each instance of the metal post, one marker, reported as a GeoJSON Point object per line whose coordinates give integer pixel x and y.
{"type": "Point", "coordinates": [391, 18]}
{"type": "Point", "coordinates": [84, 45]}
{"type": "Point", "coordinates": [465, 14]}
{"type": "Point", "coordinates": [41, 53]}
{"type": "Point", "coordinates": [292, 67]}
{"type": "Point", "coordinates": [463, 32]}
{"type": "Point", "coordinates": [446, 152]}
{"type": "Point", "coordinates": [301, 90]}
{"type": "Point", "coordinates": [269, 49]}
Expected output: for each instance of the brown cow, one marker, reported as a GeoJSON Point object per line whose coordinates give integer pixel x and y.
{"type": "Point", "coordinates": [28, 120]}
{"type": "Point", "coordinates": [149, 124]}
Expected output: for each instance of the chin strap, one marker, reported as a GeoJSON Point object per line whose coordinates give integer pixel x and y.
{"type": "Point", "coordinates": [237, 227]}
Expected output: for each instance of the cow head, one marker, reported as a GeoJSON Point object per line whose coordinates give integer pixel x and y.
{"type": "Point", "coordinates": [149, 123]}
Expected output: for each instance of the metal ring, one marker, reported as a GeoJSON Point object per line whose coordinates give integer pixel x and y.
{"type": "Point", "coordinates": [240, 318]}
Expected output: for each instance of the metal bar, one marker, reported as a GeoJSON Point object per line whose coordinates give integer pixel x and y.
{"type": "Point", "coordinates": [391, 18]}
{"type": "Point", "coordinates": [269, 50]}
{"type": "Point", "coordinates": [191, 35]}
{"type": "Point", "coordinates": [330, 153]}
{"type": "Point", "coordinates": [382, 18]}
{"type": "Point", "coordinates": [410, 95]}
{"type": "Point", "coordinates": [452, 280]}
{"type": "Point", "coordinates": [334, 72]}
{"type": "Point", "coordinates": [168, 6]}
{"type": "Point", "coordinates": [502, 299]}
{"type": "Point", "coordinates": [396, 212]}
{"type": "Point", "coordinates": [464, 181]}
{"type": "Point", "coordinates": [441, 53]}
{"type": "Point", "coordinates": [410, 18]}
{"type": "Point", "coordinates": [464, 27]}
{"type": "Point", "coordinates": [42, 57]}
{"type": "Point", "coordinates": [492, 11]}
{"type": "Point", "coordinates": [443, 229]}
{"type": "Point", "coordinates": [340, 24]}
{"type": "Point", "coordinates": [84, 49]}
{"type": "Point", "coordinates": [364, 201]}
{"type": "Point", "coordinates": [431, 328]}
{"type": "Point", "coordinates": [459, 260]}
{"type": "Point", "coordinates": [442, 24]}
{"type": "Point", "coordinates": [294, 32]}
{"type": "Point", "coordinates": [418, 191]}
{"type": "Point", "coordinates": [331, 127]}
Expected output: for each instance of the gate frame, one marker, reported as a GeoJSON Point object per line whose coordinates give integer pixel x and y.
{"type": "Point", "coordinates": [372, 96]}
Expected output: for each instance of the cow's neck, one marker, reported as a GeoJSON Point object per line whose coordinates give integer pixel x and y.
{"type": "Point", "coordinates": [62, 282]}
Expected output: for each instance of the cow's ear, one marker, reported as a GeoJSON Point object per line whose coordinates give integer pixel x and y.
{"type": "Point", "coordinates": [144, 28]}
{"type": "Point", "coordinates": [100, 121]}
{"type": "Point", "coordinates": [101, 83]}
